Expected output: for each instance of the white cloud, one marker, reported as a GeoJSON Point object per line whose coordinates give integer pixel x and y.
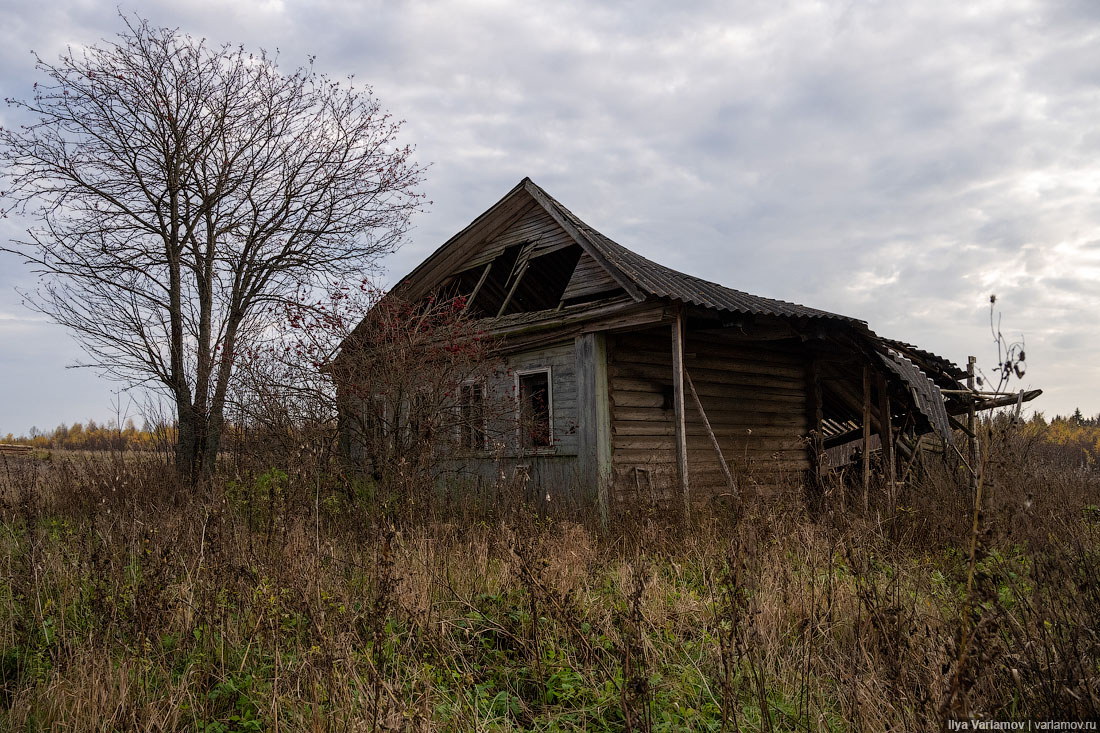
{"type": "Point", "coordinates": [894, 162]}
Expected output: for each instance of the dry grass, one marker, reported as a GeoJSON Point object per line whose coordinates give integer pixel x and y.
{"type": "Point", "coordinates": [295, 600]}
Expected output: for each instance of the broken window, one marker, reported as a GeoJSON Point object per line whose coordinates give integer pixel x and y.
{"type": "Point", "coordinates": [421, 416]}
{"type": "Point", "coordinates": [534, 409]}
{"type": "Point", "coordinates": [471, 426]}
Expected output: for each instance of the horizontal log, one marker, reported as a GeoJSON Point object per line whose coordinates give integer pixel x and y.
{"type": "Point", "coordinates": [747, 418]}
{"type": "Point", "coordinates": [692, 364]}
{"type": "Point", "coordinates": [744, 350]}
{"type": "Point", "coordinates": [739, 405]}
{"type": "Point", "coordinates": [713, 371]}
{"type": "Point", "coordinates": [753, 362]}
{"type": "Point", "coordinates": [706, 388]}
{"type": "Point", "coordinates": [653, 427]}
{"type": "Point", "coordinates": [713, 341]}
{"type": "Point", "coordinates": [644, 457]}
{"type": "Point", "coordinates": [703, 443]}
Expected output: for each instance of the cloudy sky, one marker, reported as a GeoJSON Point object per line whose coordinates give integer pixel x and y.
{"type": "Point", "coordinates": [896, 162]}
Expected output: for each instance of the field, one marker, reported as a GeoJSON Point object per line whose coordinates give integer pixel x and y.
{"type": "Point", "coordinates": [296, 598]}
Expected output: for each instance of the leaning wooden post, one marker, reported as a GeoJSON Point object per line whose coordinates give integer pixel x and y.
{"type": "Point", "coordinates": [866, 438]}
{"type": "Point", "coordinates": [972, 426]}
{"type": "Point", "coordinates": [678, 408]}
{"type": "Point", "coordinates": [713, 438]}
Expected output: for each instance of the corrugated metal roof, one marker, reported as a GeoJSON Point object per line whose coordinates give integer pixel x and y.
{"type": "Point", "coordinates": [946, 366]}
{"type": "Point", "coordinates": [664, 282]}
{"type": "Point", "coordinates": [926, 395]}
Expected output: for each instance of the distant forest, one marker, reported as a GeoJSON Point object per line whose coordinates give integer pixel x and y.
{"type": "Point", "coordinates": [94, 436]}
{"type": "Point", "coordinates": [1070, 431]}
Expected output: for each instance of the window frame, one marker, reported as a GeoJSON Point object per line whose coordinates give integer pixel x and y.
{"type": "Point", "coordinates": [519, 373]}
{"type": "Point", "coordinates": [461, 426]}
{"type": "Point", "coordinates": [415, 401]}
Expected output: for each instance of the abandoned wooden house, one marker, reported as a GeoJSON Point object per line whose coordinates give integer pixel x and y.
{"type": "Point", "coordinates": [649, 384]}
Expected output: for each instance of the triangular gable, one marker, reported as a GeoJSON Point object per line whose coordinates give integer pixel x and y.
{"type": "Point", "coordinates": [524, 216]}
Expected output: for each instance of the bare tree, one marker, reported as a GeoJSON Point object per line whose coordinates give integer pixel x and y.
{"type": "Point", "coordinates": [404, 386]}
{"type": "Point", "coordinates": [178, 189]}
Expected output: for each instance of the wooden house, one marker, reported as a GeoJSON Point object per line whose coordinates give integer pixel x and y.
{"type": "Point", "coordinates": [651, 384]}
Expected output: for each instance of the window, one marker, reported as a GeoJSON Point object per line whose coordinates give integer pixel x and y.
{"type": "Point", "coordinates": [421, 416]}
{"type": "Point", "coordinates": [374, 424]}
{"type": "Point", "coordinates": [535, 428]}
{"type": "Point", "coordinates": [471, 423]}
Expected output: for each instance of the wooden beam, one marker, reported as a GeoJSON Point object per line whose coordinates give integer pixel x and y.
{"type": "Point", "coordinates": [678, 409]}
{"type": "Point", "coordinates": [594, 413]}
{"type": "Point", "coordinates": [480, 282]}
{"type": "Point", "coordinates": [866, 438]}
{"type": "Point", "coordinates": [455, 250]}
{"type": "Point", "coordinates": [518, 271]}
{"type": "Point", "coordinates": [853, 399]}
{"type": "Point", "coordinates": [912, 458]}
{"type": "Point", "coordinates": [714, 441]}
{"type": "Point", "coordinates": [624, 280]}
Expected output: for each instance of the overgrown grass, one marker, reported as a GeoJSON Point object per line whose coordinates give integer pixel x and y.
{"type": "Point", "coordinates": [294, 599]}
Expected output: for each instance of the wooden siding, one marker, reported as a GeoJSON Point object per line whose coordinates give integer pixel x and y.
{"type": "Point", "coordinates": [552, 471]}
{"type": "Point", "coordinates": [754, 394]}
{"type": "Point", "coordinates": [535, 226]}
{"type": "Point", "coordinates": [594, 424]}
{"type": "Point", "coordinates": [563, 373]}
{"type": "Point", "coordinates": [589, 278]}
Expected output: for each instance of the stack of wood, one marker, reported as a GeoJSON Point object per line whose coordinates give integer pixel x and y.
{"type": "Point", "coordinates": [14, 449]}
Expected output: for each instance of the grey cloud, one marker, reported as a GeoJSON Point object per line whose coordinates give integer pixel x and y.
{"type": "Point", "coordinates": [804, 151]}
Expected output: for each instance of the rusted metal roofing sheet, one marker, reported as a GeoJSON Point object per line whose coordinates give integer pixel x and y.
{"type": "Point", "coordinates": [664, 282]}
{"type": "Point", "coordinates": [926, 395]}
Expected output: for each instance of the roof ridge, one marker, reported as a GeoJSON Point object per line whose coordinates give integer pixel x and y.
{"type": "Point", "coordinates": [660, 281]}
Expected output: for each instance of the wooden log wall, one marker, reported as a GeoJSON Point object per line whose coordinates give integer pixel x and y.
{"type": "Point", "coordinates": [754, 394]}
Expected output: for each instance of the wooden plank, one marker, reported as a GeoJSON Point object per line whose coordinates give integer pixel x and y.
{"type": "Point", "coordinates": [498, 240]}
{"type": "Point", "coordinates": [754, 399]}
{"type": "Point", "coordinates": [449, 257]}
{"type": "Point", "coordinates": [594, 419]}
{"type": "Point", "coordinates": [480, 282]}
{"type": "Point", "coordinates": [792, 370]}
{"type": "Point", "coordinates": [783, 350]}
{"type": "Point", "coordinates": [640, 457]}
{"type": "Point", "coordinates": [757, 351]}
{"type": "Point", "coordinates": [658, 401]}
{"type": "Point", "coordinates": [633, 319]}
{"type": "Point", "coordinates": [752, 380]}
{"type": "Point", "coordinates": [589, 278]}
{"type": "Point", "coordinates": [694, 428]}
{"type": "Point", "coordinates": [678, 409]}
{"type": "Point", "coordinates": [702, 441]}
{"type": "Point", "coordinates": [730, 418]}
{"type": "Point", "coordinates": [714, 389]}
{"type": "Point", "coordinates": [518, 271]}
{"type": "Point", "coordinates": [622, 279]}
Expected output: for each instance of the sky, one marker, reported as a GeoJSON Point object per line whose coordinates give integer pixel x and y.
{"type": "Point", "coordinates": [894, 162]}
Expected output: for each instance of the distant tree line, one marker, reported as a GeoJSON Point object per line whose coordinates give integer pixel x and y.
{"type": "Point", "coordinates": [1075, 432]}
{"type": "Point", "coordinates": [96, 437]}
